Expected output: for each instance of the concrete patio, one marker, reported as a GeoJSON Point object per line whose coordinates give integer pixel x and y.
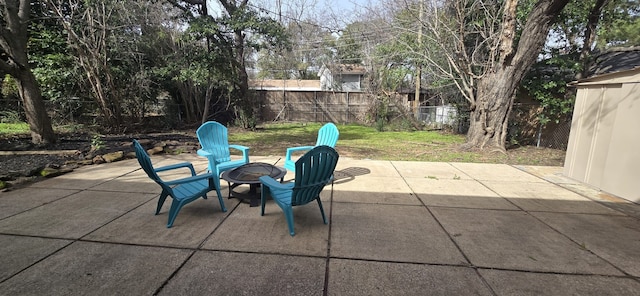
{"type": "Point", "coordinates": [395, 228]}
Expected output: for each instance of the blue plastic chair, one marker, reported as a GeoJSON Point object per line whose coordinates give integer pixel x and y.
{"type": "Point", "coordinates": [327, 135]}
{"type": "Point", "coordinates": [314, 170]}
{"type": "Point", "coordinates": [214, 140]}
{"type": "Point", "coordinates": [182, 191]}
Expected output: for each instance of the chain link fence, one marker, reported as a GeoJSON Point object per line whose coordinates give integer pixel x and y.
{"type": "Point", "coordinates": [555, 136]}
{"type": "Point", "coordinates": [525, 128]}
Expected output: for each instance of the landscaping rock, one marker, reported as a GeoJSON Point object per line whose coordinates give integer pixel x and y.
{"type": "Point", "coordinates": [49, 172]}
{"type": "Point", "coordinates": [113, 156]}
{"type": "Point", "coordinates": [98, 159]}
{"type": "Point", "coordinates": [79, 162]}
{"type": "Point", "coordinates": [156, 150]}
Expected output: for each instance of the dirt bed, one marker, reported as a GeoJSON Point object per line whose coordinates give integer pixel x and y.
{"type": "Point", "coordinates": [22, 162]}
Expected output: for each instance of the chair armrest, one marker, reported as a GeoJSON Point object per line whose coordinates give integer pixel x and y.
{"type": "Point", "coordinates": [189, 179]}
{"type": "Point", "coordinates": [290, 150]}
{"type": "Point", "coordinates": [208, 155]}
{"type": "Point", "coordinates": [204, 153]}
{"type": "Point", "coordinates": [275, 185]}
{"type": "Point", "coordinates": [244, 150]}
{"type": "Point", "coordinates": [177, 166]}
{"type": "Point", "coordinates": [239, 147]}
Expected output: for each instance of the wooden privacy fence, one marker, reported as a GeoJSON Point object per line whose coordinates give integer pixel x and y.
{"type": "Point", "coordinates": [314, 106]}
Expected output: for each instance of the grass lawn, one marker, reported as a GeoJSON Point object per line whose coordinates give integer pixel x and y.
{"type": "Point", "coordinates": [366, 142]}
{"type": "Point", "coordinates": [362, 142]}
{"type": "Point", "coordinates": [14, 128]}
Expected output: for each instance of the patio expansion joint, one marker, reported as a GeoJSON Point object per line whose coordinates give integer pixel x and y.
{"type": "Point", "coordinates": [478, 209]}
{"type": "Point", "coordinates": [585, 214]}
{"type": "Point", "coordinates": [153, 196]}
{"type": "Point", "coordinates": [258, 253]}
{"type": "Point", "coordinates": [111, 179]}
{"type": "Point", "coordinates": [626, 276]}
{"type": "Point", "coordinates": [529, 213]}
{"type": "Point", "coordinates": [580, 245]}
{"type": "Point", "coordinates": [380, 204]}
{"type": "Point", "coordinates": [451, 239]}
{"type": "Point", "coordinates": [469, 265]}
{"type": "Point", "coordinates": [137, 245]}
{"type": "Point", "coordinates": [37, 261]}
{"type": "Point", "coordinates": [325, 284]}
{"type": "Point", "coordinates": [597, 200]}
{"type": "Point", "coordinates": [500, 195]}
{"type": "Point", "coordinates": [41, 205]}
{"type": "Point", "coordinates": [226, 216]}
{"type": "Point", "coordinates": [173, 274]}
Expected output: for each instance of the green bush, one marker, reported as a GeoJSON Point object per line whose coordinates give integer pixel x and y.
{"type": "Point", "coordinates": [10, 116]}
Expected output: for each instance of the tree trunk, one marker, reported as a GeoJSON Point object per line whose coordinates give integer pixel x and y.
{"type": "Point", "coordinates": [590, 35]}
{"type": "Point", "coordinates": [188, 95]}
{"type": "Point", "coordinates": [37, 117]}
{"type": "Point", "coordinates": [15, 62]}
{"type": "Point", "coordinates": [243, 105]}
{"type": "Point", "coordinates": [207, 102]}
{"type": "Point", "coordinates": [489, 118]}
{"type": "Point", "coordinates": [496, 90]}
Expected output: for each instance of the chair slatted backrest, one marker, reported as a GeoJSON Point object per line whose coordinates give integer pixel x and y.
{"type": "Point", "coordinates": [328, 135]}
{"type": "Point", "coordinates": [213, 137]}
{"type": "Point", "coordinates": [145, 162]}
{"type": "Point", "coordinates": [314, 170]}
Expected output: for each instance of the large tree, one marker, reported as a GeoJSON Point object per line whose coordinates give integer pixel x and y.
{"type": "Point", "coordinates": [14, 60]}
{"type": "Point", "coordinates": [512, 58]}
{"type": "Point", "coordinates": [488, 47]}
{"type": "Point", "coordinates": [579, 31]}
{"type": "Point", "coordinates": [120, 48]}
{"type": "Point", "coordinates": [349, 46]}
{"type": "Point", "coordinates": [249, 30]}
{"type": "Point", "coordinates": [621, 24]}
{"type": "Point", "coordinates": [231, 35]}
{"type": "Point", "coordinates": [302, 57]}
{"type": "Point", "coordinates": [90, 27]}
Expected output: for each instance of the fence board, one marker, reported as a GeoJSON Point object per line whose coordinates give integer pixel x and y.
{"type": "Point", "coordinates": [317, 106]}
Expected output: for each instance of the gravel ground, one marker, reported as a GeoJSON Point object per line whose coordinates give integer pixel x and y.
{"type": "Point", "coordinates": [15, 166]}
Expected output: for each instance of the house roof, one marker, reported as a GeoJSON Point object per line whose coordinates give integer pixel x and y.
{"type": "Point", "coordinates": [620, 77]}
{"type": "Point", "coordinates": [611, 62]}
{"type": "Point", "coordinates": [615, 60]}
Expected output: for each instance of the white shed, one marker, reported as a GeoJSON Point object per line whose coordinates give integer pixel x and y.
{"type": "Point", "coordinates": [604, 144]}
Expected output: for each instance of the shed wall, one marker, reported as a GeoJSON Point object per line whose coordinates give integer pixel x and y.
{"type": "Point", "coordinates": [604, 144]}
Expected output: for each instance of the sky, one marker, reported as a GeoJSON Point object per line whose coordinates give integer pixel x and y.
{"type": "Point", "coordinates": [345, 5]}
{"type": "Point", "coordinates": [343, 11]}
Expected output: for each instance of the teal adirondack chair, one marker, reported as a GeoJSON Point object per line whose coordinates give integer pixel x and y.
{"type": "Point", "coordinates": [182, 191]}
{"type": "Point", "coordinates": [314, 170]}
{"type": "Point", "coordinates": [214, 140]}
{"type": "Point", "coordinates": [327, 135]}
